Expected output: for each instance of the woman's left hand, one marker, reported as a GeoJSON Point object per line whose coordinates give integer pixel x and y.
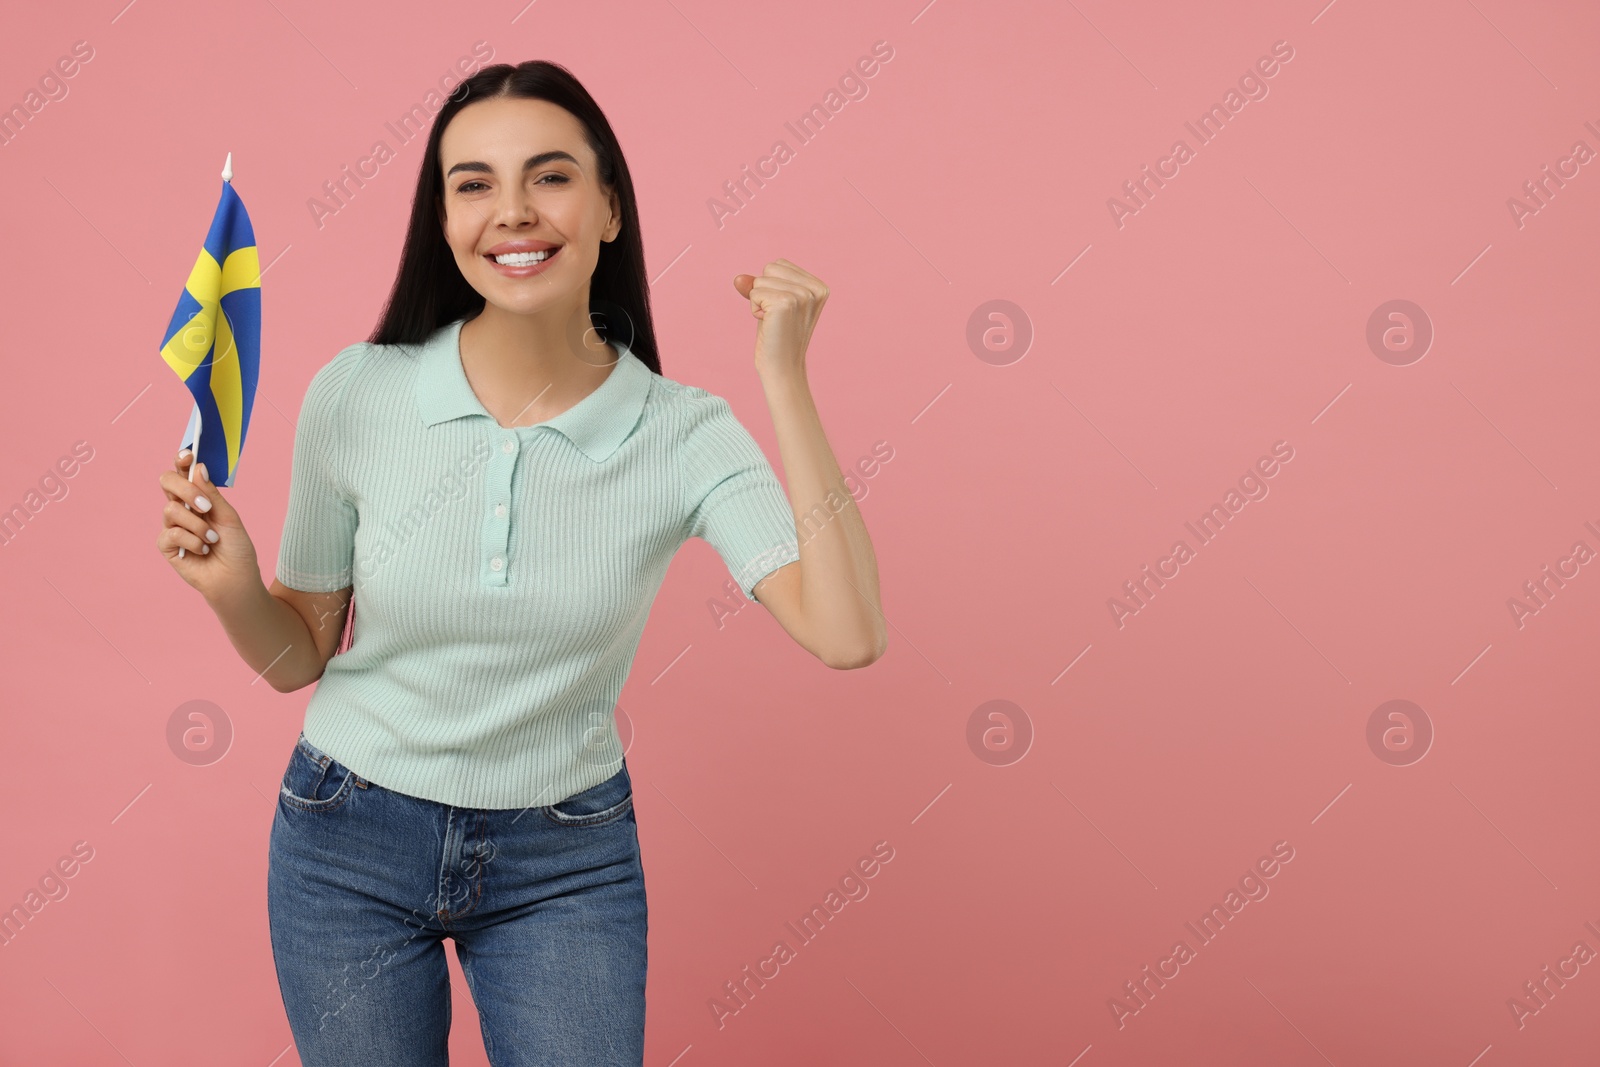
{"type": "Point", "coordinates": [787, 300]}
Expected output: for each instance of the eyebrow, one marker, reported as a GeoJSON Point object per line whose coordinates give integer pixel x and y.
{"type": "Point", "coordinates": [479, 167]}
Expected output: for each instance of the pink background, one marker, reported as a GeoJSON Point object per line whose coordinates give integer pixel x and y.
{"type": "Point", "coordinates": [1167, 754]}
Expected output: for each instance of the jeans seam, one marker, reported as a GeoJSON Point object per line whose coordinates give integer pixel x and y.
{"type": "Point", "coordinates": [611, 814]}
{"type": "Point", "coordinates": [336, 801]}
{"type": "Point", "coordinates": [444, 914]}
{"type": "Point", "coordinates": [304, 748]}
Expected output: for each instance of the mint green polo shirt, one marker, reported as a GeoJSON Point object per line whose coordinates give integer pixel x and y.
{"type": "Point", "coordinates": [503, 576]}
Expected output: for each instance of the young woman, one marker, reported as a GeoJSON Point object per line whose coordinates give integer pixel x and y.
{"type": "Point", "coordinates": [500, 477]}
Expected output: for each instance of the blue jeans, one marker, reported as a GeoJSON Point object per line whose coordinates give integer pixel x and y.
{"type": "Point", "coordinates": [546, 907]}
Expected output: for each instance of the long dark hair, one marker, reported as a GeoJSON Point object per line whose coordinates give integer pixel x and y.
{"type": "Point", "coordinates": [429, 290]}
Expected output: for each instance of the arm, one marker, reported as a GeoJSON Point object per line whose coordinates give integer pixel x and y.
{"type": "Point", "coordinates": [284, 635]}
{"type": "Point", "coordinates": [828, 599]}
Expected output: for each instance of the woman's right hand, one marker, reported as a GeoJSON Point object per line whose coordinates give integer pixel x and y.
{"type": "Point", "coordinates": [219, 558]}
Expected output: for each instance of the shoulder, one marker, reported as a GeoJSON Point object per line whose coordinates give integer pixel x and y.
{"type": "Point", "coordinates": [691, 410]}
{"type": "Point", "coordinates": [331, 381]}
{"type": "Point", "coordinates": [365, 378]}
{"type": "Point", "coordinates": [675, 394]}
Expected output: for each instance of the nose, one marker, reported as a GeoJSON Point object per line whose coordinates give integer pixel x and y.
{"type": "Point", "coordinates": [513, 206]}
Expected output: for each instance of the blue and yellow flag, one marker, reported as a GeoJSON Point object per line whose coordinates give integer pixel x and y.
{"type": "Point", "coordinates": [214, 340]}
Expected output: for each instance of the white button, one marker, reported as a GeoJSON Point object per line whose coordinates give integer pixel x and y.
{"type": "Point", "coordinates": [496, 563]}
{"type": "Point", "coordinates": [500, 509]}
{"type": "Point", "coordinates": [507, 447]}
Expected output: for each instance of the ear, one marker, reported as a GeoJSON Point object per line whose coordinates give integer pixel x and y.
{"type": "Point", "coordinates": [614, 227]}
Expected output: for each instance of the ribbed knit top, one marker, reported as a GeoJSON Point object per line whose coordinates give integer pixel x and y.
{"type": "Point", "coordinates": [502, 576]}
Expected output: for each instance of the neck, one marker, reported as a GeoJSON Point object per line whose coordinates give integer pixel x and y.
{"type": "Point", "coordinates": [528, 368]}
{"type": "Point", "coordinates": [553, 344]}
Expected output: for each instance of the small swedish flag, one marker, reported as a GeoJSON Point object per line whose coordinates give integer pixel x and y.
{"type": "Point", "coordinates": [214, 340]}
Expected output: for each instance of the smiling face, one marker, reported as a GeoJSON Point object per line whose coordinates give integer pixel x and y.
{"type": "Point", "coordinates": [524, 211]}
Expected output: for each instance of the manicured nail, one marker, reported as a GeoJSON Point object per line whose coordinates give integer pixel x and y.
{"type": "Point", "coordinates": [201, 470]}
{"type": "Point", "coordinates": [211, 535]}
{"type": "Point", "coordinates": [204, 549]}
{"type": "Point", "coordinates": [202, 503]}
{"type": "Point", "coordinates": [185, 454]}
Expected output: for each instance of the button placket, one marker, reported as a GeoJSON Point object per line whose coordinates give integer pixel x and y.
{"type": "Point", "coordinates": [496, 520]}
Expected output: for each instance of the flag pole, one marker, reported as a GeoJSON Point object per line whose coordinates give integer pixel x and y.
{"type": "Point", "coordinates": [194, 461]}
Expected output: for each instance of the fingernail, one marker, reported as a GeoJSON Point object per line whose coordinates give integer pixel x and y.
{"type": "Point", "coordinates": [185, 454]}
{"type": "Point", "coordinates": [204, 549]}
{"type": "Point", "coordinates": [201, 469]}
{"type": "Point", "coordinates": [202, 503]}
{"type": "Point", "coordinates": [211, 535]}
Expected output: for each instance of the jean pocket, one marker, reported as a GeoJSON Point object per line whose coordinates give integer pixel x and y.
{"type": "Point", "coordinates": [606, 802]}
{"type": "Point", "coordinates": [315, 781]}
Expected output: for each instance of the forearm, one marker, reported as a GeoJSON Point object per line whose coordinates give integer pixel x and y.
{"type": "Point", "coordinates": [838, 568]}
{"type": "Point", "coordinates": [271, 637]}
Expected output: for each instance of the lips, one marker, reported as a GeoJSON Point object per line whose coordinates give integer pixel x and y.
{"type": "Point", "coordinates": [523, 270]}
{"type": "Point", "coordinates": [522, 245]}
{"type": "Point", "coordinates": [523, 259]}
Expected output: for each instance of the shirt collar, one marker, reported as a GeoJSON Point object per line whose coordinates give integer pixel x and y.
{"type": "Point", "coordinates": [597, 424]}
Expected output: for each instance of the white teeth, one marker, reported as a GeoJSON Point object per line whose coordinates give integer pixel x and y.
{"type": "Point", "coordinates": [523, 259]}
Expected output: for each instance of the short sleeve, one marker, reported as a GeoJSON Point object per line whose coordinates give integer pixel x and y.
{"type": "Point", "coordinates": [319, 526]}
{"type": "Point", "coordinates": [731, 494]}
